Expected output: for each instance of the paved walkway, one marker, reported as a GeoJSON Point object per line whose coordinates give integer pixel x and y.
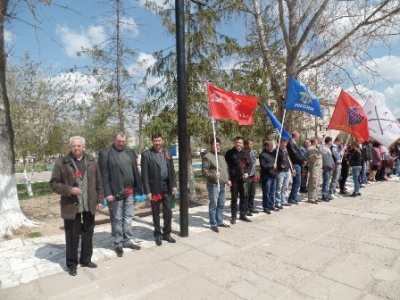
{"type": "Point", "coordinates": [348, 248]}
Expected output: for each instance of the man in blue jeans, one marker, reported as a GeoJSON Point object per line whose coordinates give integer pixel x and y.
{"type": "Point", "coordinates": [282, 179]}
{"type": "Point", "coordinates": [298, 160]}
{"type": "Point", "coordinates": [268, 176]}
{"type": "Point", "coordinates": [217, 176]}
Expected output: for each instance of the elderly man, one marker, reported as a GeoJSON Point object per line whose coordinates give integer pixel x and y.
{"type": "Point", "coordinates": [76, 177]}
{"type": "Point", "coordinates": [121, 181]}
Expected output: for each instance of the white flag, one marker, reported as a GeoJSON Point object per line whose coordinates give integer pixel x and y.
{"type": "Point", "coordinates": [383, 126]}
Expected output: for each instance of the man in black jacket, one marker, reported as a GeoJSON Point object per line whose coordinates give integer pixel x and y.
{"type": "Point", "coordinates": [159, 184]}
{"type": "Point", "coordinates": [298, 160]}
{"type": "Point", "coordinates": [121, 180]}
{"type": "Point", "coordinates": [239, 166]}
{"type": "Point", "coordinates": [268, 176]}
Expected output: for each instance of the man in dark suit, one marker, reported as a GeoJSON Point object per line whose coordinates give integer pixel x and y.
{"type": "Point", "coordinates": [159, 184]}
{"type": "Point", "coordinates": [76, 177]}
{"type": "Point", "coordinates": [121, 181]}
{"type": "Point", "coordinates": [239, 166]}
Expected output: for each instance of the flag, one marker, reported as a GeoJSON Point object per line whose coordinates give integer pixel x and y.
{"type": "Point", "coordinates": [349, 116]}
{"type": "Point", "coordinates": [383, 126]}
{"type": "Point", "coordinates": [277, 125]}
{"type": "Point", "coordinates": [226, 105]}
{"type": "Point", "coordinates": [299, 97]}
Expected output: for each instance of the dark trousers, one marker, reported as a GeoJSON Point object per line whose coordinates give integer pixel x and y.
{"type": "Point", "coordinates": [344, 173]}
{"type": "Point", "coordinates": [237, 188]}
{"type": "Point", "coordinates": [251, 192]}
{"type": "Point", "coordinates": [304, 177]}
{"type": "Point", "coordinates": [82, 225]}
{"type": "Point", "coordinates": [167, 213]}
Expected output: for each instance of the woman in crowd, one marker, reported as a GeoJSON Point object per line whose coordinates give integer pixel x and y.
{"type": "Point", "coordinates": [355, 164]}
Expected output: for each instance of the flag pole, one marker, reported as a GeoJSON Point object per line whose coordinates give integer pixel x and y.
{"type": "Point", "coordinates": [280, 136]}
{"type": "Point", "coordinates": [215, 149]}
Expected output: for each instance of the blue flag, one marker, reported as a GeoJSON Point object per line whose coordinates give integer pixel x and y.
{"type": "Point", "coordinates": [277, 125]}
{"type": "Point", "coordinates": [299, 97]}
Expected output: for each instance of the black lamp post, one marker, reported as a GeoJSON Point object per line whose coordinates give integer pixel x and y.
{"type": "Point", "coordinates": [182, 124]}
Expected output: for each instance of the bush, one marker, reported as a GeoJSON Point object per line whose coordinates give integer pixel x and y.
{"type": "Point", "coordinates": [39, 189]}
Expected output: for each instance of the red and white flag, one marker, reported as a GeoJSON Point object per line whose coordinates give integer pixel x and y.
{"type": "Point", "coordinates": [349, 116]}
{"type": "Point", "coordinates": [226, 105]}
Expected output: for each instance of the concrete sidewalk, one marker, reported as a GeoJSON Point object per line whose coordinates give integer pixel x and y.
{"type": "Point", "coordinates": [348, 248]}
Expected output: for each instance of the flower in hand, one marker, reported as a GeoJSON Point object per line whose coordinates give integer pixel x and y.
{"type": "Point", "coordinates": [122, 195]}
{"type": "Point", "coordinates": [241, 165]}
{"type": "Point", "coordinates": [128, 191]}
{"type": "Point", "coordinates": [78, 174]}
{"type": "Point", "coordinates": [156, 198]}
{"type": "Point", "coordinates": [256, 178]}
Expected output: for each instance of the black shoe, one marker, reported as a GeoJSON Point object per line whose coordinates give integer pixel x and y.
{"type": "Point", "coordinates": [253, 211]}
{"type": "Point", "coordinates": [353, 195]}
{"type": "Point", "coordinates": [294, 202]}
{"type": "Point", "coordinates": [245, 219]}
{"type": "Point", "coordinates": [358, 194]}
{"type": "Point", "coordinates": [249, 214]}
{"type": "Point", "coordinates": [325, 199]}
{"type": "Point", "coordinates": [119, 251]}
{"type": "Point", "coordinates": [233, 221]}
{"type": "Point", "coordinates": [158, 240]}
{"type": "Point", "coordinates": [169, 239]}
{"type": "Point", "coordinates": [131, 246]}
{"type": "Point", "coordinates": [303, 191]}
{"type": "Point", "coordinates": [312, 201]}
{"type": "Point", "coordinates": [286, 204]}
{"type": "Point", "coordinates": [267, 211]}
{"type": "Point", "coordinates": [215, 229]}
{"type": "Point", "coordinates": [90, 264]}
{"type": "Point", "coordinates": [279, 207]}
{"type": "Point", "coordinates": [343, 193]}
{"type": "Point", "coordinates": [223, 225]}
{"type": "Point", "coordinates": [72, 272]}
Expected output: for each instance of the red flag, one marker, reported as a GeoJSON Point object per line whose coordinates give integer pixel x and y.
{"type": "Point", "coordinates": [226, 105]}
{"type": "Point", "coordinates": [349, 116]}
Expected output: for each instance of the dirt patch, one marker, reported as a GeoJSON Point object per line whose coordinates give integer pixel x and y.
{"type": "Point", "coordinates": [46, 212]}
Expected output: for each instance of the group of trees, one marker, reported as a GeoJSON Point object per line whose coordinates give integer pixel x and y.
{"type": "Point", "coordinates": [315, 41]}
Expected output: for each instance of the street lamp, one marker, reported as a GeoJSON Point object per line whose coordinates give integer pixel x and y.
{"type": "Point", "coordinates": [181, 103]}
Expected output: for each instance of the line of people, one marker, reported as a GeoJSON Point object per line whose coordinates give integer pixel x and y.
{"type": "Point", "coordinates": [84, 184]}
{"type": "Point", "coordinates": [312, 165]}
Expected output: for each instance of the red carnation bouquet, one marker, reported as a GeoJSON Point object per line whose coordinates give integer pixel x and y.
{"type": "Point", "coordinates": [156, 198]}
{"type": "Point", "coordinates": [124, 194]}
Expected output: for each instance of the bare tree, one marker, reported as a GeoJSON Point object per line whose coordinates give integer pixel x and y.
{"type": "Point", "coordinates": [331, 36]}
{"type": "Point", "coordinates": [11, 215]}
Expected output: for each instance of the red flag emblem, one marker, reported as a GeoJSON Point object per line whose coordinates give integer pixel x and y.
{"type": "Point", "coordinates": [226, 105]}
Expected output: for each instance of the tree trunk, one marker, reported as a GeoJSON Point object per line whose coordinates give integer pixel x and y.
{"type": "Point", "coordinates": [11, 215]}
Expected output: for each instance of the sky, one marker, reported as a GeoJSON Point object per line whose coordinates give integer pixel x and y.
{"type": "Point", "coordinates": [61, 32]}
